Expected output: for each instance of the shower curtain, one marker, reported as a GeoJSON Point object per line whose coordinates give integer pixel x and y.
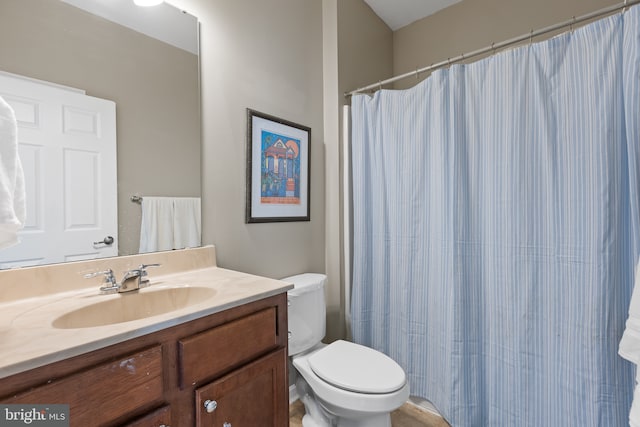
{"type": "Point", "coordinates": [496, 226]}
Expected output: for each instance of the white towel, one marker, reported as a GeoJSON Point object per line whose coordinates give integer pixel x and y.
{"type": "Point", "coordinates": [630, 346]}
{"type": "Point", "coordinates": [169, 223]}
{"type": "Point", "coordinates": [156, 229]}
{"type": "Point", "coordinates": [12, 190]}
{"type": "Point", "coordinates": [186, 222]}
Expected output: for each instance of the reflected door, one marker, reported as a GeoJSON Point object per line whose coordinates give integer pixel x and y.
{"type": "Point", "coordinates": [67, 145]}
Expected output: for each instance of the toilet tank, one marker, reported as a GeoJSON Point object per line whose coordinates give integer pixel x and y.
{"type": "Point", "coordinates": [306, 311]}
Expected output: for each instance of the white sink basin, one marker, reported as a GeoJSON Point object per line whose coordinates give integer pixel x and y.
{"type": "Point", "coordinates": [135, 305]}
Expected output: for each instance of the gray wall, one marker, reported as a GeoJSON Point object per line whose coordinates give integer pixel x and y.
{"type": "Point", "coordinates": [264, 55]}
{"type": "Point", "coordinates": [365, 46]}
{"type": "Point", "coordinates": [154, 86]}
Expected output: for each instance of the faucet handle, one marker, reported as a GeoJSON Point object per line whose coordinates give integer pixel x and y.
{"type": "Point", "coordinates": [143, 273]}
{"type": "Point", "coordinates": [108, 273]}
{"type": "Point", "coordinates": [109, 280]}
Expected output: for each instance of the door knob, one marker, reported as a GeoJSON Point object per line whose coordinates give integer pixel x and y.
{"type": "Point", "coordinates": [210, 405]}
{"type": "Point", "coordinates": [107, 241]}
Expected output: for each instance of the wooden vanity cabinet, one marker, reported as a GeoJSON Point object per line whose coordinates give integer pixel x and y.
{"type": "Point", "coordinates": [234, 360]}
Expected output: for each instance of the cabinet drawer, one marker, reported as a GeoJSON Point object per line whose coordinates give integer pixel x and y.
{"type": "Point", "coordinates": [210, 353]}
{"type": "Point", "coordinates": [157, 418]}
{"type": "Point", "coordinates": [117, 388]}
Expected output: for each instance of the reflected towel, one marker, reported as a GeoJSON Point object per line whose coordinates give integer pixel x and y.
{"type": "Point", "coordinates": [12, 190]}
{"type": "Point", "coordinates": [156, 229]}
{"type": "Point", "coordinates": [186, 222]}
{"type": "Point", "coordinates": [169, 223]}
{"type": "Point", "coordinates": [630, 345]}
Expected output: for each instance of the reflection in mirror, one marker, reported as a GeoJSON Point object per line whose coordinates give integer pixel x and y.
{"type": "Point", "coordinates": [154, 85]}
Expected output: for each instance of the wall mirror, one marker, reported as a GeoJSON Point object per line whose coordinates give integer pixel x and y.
{"type": "Point", "coordinates": [144, 66]}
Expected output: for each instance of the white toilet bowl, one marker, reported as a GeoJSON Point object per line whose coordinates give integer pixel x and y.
{"type": "Point", "coordinates": [341, 384]}
{"type": "Point", "coordinates": [349, 395]}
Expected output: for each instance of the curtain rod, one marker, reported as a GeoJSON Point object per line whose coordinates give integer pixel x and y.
{"type": "Point", "coordinates": [494, 46]}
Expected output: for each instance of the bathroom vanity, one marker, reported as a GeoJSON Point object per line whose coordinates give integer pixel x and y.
{"type": "Point", "coordinates": [218, 360]}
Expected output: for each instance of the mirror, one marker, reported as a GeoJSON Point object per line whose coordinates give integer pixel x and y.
{"type": "Point", "coordinates": [154, 84]}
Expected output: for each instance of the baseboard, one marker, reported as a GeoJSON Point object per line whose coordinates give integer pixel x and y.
{"type": "Point", "coordinates": [293, 394]}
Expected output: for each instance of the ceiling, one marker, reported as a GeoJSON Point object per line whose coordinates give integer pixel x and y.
{"type": "Point", "coordinates": [398, 13]}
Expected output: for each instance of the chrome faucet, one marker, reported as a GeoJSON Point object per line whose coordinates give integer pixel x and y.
{"type": "Point", "coordinates": [132, 280]}
{"type": "Point", "coordinates": [136, 278]}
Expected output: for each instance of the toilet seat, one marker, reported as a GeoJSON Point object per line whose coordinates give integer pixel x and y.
{"type": "Point", "coordinates": [357, 368]}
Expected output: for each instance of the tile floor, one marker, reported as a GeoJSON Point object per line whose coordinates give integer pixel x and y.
{"type": "Point", "coordinates": [407, 416]}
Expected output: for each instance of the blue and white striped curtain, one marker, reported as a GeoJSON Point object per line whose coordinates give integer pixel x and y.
{"type": "Point", "coordinates": [496, 226]}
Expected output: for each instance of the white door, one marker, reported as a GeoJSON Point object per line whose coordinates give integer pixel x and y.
{"type": "Point", "coordinates": [67, 145]}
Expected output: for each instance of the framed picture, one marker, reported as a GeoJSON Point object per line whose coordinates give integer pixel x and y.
{"type": "Point", "coordinates": [278, 166]}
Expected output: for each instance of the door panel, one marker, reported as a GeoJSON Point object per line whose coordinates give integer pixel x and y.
{"type": "Point", "coordinates": [250, 396]}
{"type": "Point", "coordinates": [67, 144]}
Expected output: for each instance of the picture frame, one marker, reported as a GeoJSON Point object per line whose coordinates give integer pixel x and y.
{"type": "Point", "coordinates": [278, 183]}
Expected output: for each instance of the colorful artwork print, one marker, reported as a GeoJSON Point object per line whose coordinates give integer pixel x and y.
{"type": "Point", "coordinates": [280, 169]}
{"type": "Point", "coordinates": [278, 165]}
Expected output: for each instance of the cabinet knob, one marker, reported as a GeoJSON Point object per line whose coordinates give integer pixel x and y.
{"type": "Point", "coordinates": [210, 405]}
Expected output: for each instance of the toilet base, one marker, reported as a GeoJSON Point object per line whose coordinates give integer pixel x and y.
{"type": "Point", "coordinates": [353, 419]}
{"type": "Point", "coordinates": [375, 421]}
{"type": "Point", "coordinates": [316, 415]}
{"type": "Point", "coordinates": [321, 420]}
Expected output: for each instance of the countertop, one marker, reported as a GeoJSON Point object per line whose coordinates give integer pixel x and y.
{"type": "Point", "coordinates": [29, 340]}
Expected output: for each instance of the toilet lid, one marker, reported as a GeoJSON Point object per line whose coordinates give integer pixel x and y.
{"type": "Point", "coordinates": [357, 368]}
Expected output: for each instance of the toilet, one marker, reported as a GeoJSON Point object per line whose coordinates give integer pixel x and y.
{"type": "Point", "coordinates": [340, 384]}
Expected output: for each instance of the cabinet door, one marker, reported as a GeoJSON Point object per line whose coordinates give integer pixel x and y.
{"type": "Point", "coordinates": [254, 395]}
